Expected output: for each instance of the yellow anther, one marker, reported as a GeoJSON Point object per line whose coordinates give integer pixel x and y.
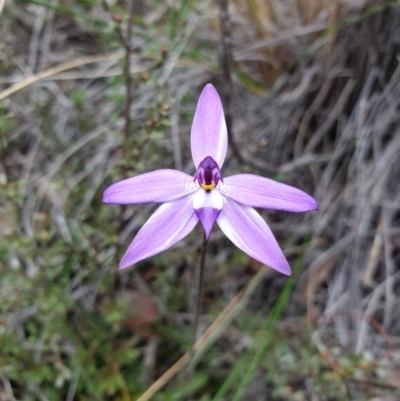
{"type": "Point", "coordinates": [208, 187]}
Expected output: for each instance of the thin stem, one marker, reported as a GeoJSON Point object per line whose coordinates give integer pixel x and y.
{"type": "Point", "coordinates": [199, 290]}
{"type": "Point", "coordinates": [126, 43]}
{"type": "Point", "coordinates": [190, 368]}
{"type": "Point", "coordinates": [225, 63]}
{"type": "Point", "coordinates": [128, 80]}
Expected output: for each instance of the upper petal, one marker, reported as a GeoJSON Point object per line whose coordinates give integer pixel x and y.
{"type": "Point", "coordinates": [156, 186]}
{"type": "Point", "coordinates": [170, 223]}
{"type": "Point", "coordinates": [256, 191]}
{"type": "Point", "coordinates": [209, 134]}
{"type": "Point", "coordinates": [249, 232]}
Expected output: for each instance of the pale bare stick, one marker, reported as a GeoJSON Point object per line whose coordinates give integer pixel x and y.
{"type": "Point", "coordinates": [69, 65]}
{"type": "Point", "coordinates": [2, 3]}
{"type": "Point", "coordinates": [59, 68]}
{"type": "Point", "coordinates": [216, 329]}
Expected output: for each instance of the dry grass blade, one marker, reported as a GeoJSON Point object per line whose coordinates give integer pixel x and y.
{"type": "Point", "coordinates": [217, 328]}
{"type": "Point", "coordinates": [54, 72]}
{"type": "Point", "coordinates": [2, 4]}
{"type": "Point", "coordinates": [59, 68]}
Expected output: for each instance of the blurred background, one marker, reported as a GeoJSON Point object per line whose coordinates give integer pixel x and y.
{"type": "Point", "coordinates": [94, 91]}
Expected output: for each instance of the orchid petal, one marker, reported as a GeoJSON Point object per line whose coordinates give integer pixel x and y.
{"type": "Point", "coordinates": [170, 223]}
{"type": "Point", "coordinates": [209, 135]}
{"type": "Point", "coordinates": [256, 191]}
{"type": "Point", "coordinates": [207, 217]}
{"type": "Point", "coordinates": [207, 205]}
{"type": "Point", "coordinates": [156, 186]}
{"type": "Point", "coordinates": [249, 232]}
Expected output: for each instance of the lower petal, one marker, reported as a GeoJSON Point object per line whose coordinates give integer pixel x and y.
{"type": "Point", "coordinates": [207, 205]}
{"type": "Point", "coordinates": [249, 232]}
{"type": "Point", "coordinates": [207, 216]}
{"type": "Point", "coordinates": [170, 223]}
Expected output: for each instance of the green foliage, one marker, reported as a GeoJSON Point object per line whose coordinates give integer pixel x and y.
{"type": "Point", "coordinates": [66, 323]}
{"type": "Point", "coordinates": [287, 366]}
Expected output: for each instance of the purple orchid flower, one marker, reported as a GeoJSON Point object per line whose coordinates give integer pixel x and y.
{"type": "Point", "coordinates": [208, 197]}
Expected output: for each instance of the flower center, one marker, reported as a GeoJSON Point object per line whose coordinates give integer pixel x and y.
{"type": "Point", "coordinates": [208, 174]}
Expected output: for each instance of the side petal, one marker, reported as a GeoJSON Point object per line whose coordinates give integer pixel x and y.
{"type": "Point", "coordinates": [156, 186]}
{"type": "Point", "coordinates": [209, 135]}
{"type": "Point", "coordinates": [249, 232]}
{"type": "Point", "coordinates": [256, 191]}
{"type": "Point", "coordinates": [170, 223]}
